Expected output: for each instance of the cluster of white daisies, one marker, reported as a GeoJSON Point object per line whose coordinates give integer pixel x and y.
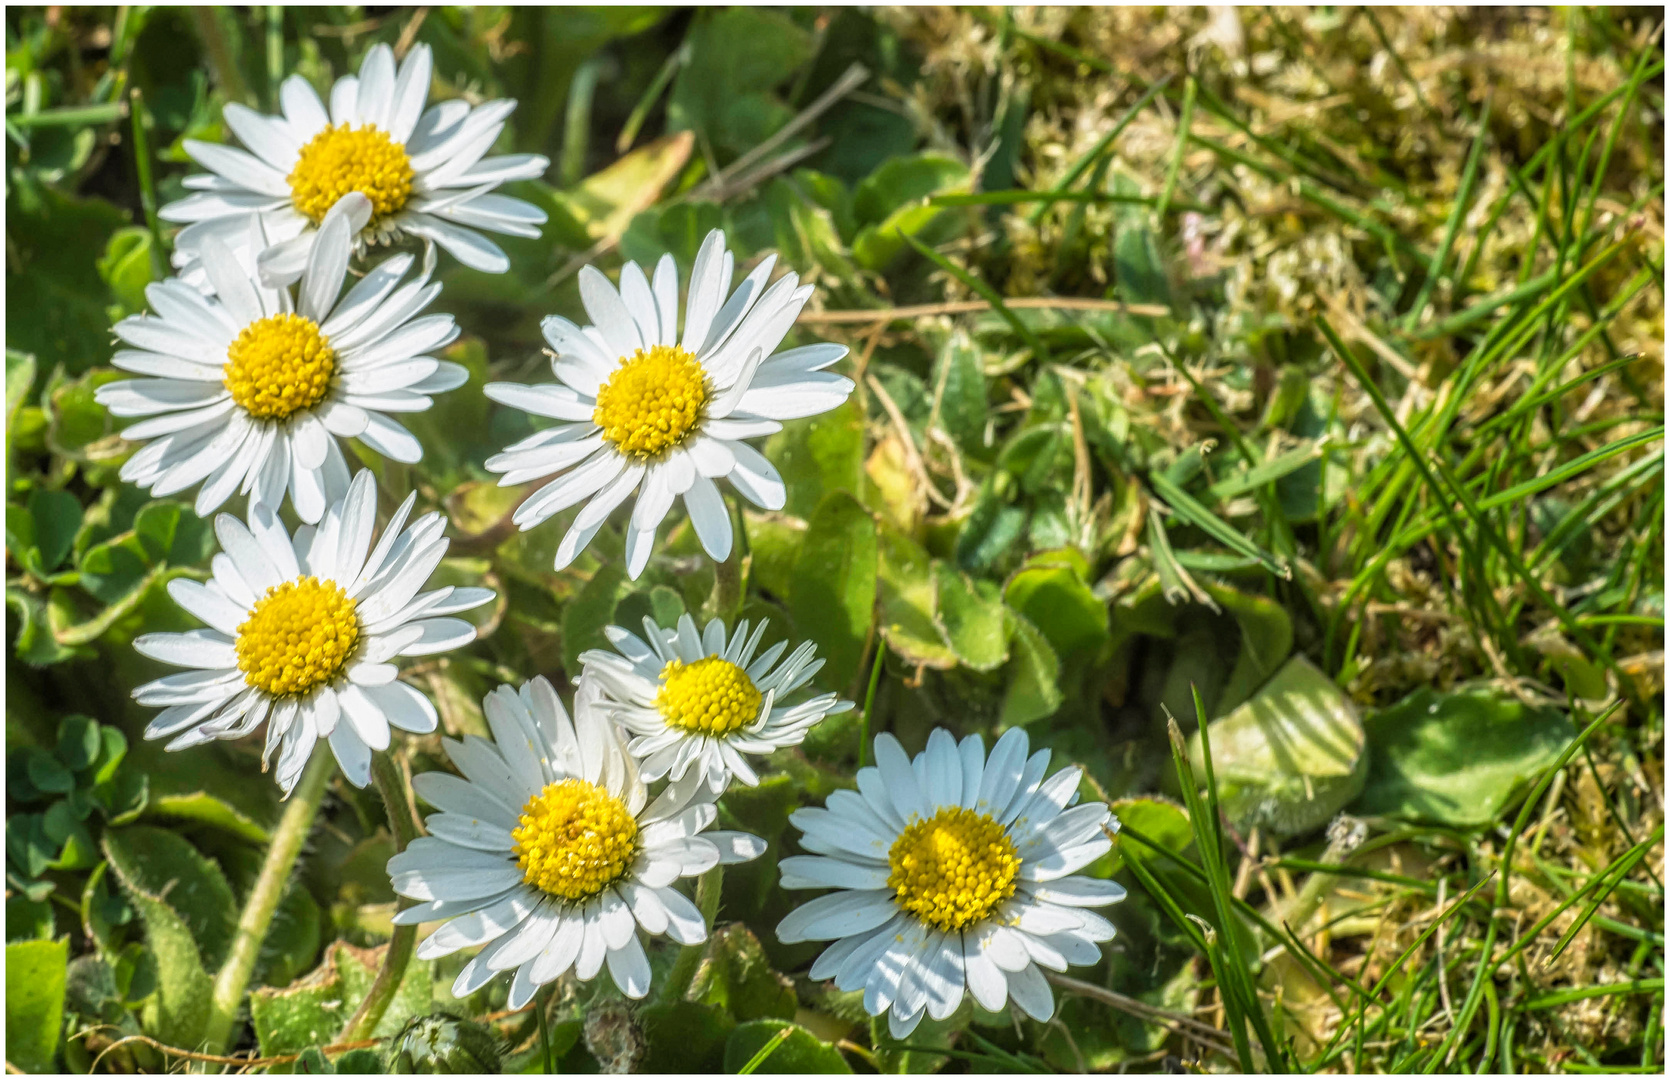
{"type": "Point", "coordinates": [951, 871]}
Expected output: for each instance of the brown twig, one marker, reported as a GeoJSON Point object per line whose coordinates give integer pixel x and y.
{"type": "Point", "coordinates": [968, 307]}
{"type": "Point", "coordinates": [409, 34]}
{"type": "Point", "coordinates": [913, 457]}
{"type": "Point", "coordinates": [854, 77]}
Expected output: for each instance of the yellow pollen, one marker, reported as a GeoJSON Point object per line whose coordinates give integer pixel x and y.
{"type": "Point", "coordinates": [711, 697]}
{"type": "Point", "coordinates": [341, 159]}
{"type": "Point", "coordinates": [953, 869]}
{"type": "Point", "coordinates": [652, 401]}
{"type": "Point", "coordinates": [279, 366]}
{"type": "Point", "coordinates": [299, 635]}
{"type": "Point", "coordinates": [575, 840]}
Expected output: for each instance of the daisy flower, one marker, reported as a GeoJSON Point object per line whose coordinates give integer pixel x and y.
{"type": "Point", "coordinates": [301, 632]}
{"type": "Point", "coordinates": [250, 389]}
{"type": "Point", "coordinates": [952, 871]}
{"type": "Point", "coordinates": [422, 170]}
{"type": "Point", "coordinates": [702, 700]}
{"type": "Point", "coordinates": [641, 408]}
{"type": "Point", "coordinates": [549, 852]}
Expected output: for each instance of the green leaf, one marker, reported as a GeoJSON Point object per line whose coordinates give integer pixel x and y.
{"type": "Point", "coordinates": [799, 1052]}
{"type": "Point", "coordinates": [1054, 598]}
{"type": "Point", "coordinates": [311, 1010]}
{"type": "Point", "coordinates": [35, 644]}
{"type": "Point", "coordinates": [55, 297]}
{"type": "Point", "coordinates": [990, 530]}
{"type": "Point", "coordinates": [773, 545]}
{"type": "Point", "coordinates": [737, 58]}
{"type": "Point", "coordinates": [172, 533]}
{"type": "Point", "coordinates": [79, 742]}
{"type": "Point", "coordinates": [126, 266]}
{"type": "Point", "coordinates": [1033, 690]}
{"type": "Point", "coordinates": [48, 774]}
{"type": "Point", "coordinates": [1457, 759]}
{"type": "Point", "coordinates": [112, 748]}
{"type": "Point", "coordinates": [57, 517]}
{"type": "Point", "coordinates": [179, 1007]}
{"type": "Point", "coordinates": [1266, 639]}
{"type": "Point", "coordinates": [736, 976]}
{"type": "Point", "coordinates": [35, 972]}
{"type": "Point", "coordinates": [1289, 758]}
{"type": "Point", "coordinates": [818, 456]}
{"type": "Point", "coordinates": [905, 181]}
{"type": "Point", "coordinates": [1158, 819]}
{"type": "Point", "coordinates": [358, 969]}
{"type": "Point", "coordinates": [20, 378]}
{"type": "Point", "coordinates": [961, 386]}
{"type": "Point", "coordinates": [972, 613]}
{"type": "Point", "coordinates": [29, 920]}
{"type": "Point", "coordinates": [833, 588]}
{"type": "Point", "coordinates": [160, 863]}
{"type": "Point", "coordinates": [589, 612]}
{"type": "Point", "coordinates": [909, 620]}
{"type": "Point", "coordinates": [78, 427]}
{"type": "Point", "coordinates": [361, 1062]}
{"type": "Point", "coordinates": [70, 838]}
{"type": "Point", "coordinates": [684, 1037]}
{"type": "Point", "coordinates": [292, 940]}
{"type": "Point", "coordinates": [214, 791]}
{"type": "Point", "coordinates": [1138, 265]}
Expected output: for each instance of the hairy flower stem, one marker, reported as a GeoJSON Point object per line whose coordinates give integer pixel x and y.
{"type": "Point", "coordinates": [690, 957]}
{"type": "Point", "coordinates": [233, 978]}
{"type": "Point", "coordinates": [728, 586]}
{"type": "Point", "coordinates": [391, 785]}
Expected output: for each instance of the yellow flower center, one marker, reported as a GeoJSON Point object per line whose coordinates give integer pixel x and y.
{"type": "Point", "coordinates": [341, 159]}
{"type": "Point", "coordinates": [652, 401]}
{"type": "Point", "coordinates": [575, 840]}
{"type": "Point", "coordinates": [279, 366]}
{"type": "Point", "coordinates": [953, 869]}
{"type": "Point", "coordinates": [299, 635]}
{"type": "Point", "coordinates": [712, 696]}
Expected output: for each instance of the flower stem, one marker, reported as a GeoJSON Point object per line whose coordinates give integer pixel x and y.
{"type": "Point", "coordinates": [690, 957]}
{"type": "Point", "coordinates": [542, 1004]}
{"type": "Point", "coordinates": [233, 978]}
{"type": "Point", "coordinates": [728, 589]}
{"type": "Point", "coordinates": [147, 183]}
{"type": "Point", "coordinates": [870, 702]}
{"type": "Point", "coordinates": [391, 785]}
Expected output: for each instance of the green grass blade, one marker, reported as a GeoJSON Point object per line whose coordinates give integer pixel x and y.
{"type": "Point", "coordinates": [1185, 507]}
{"type": "Point", "coordinates": [985, 292]}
